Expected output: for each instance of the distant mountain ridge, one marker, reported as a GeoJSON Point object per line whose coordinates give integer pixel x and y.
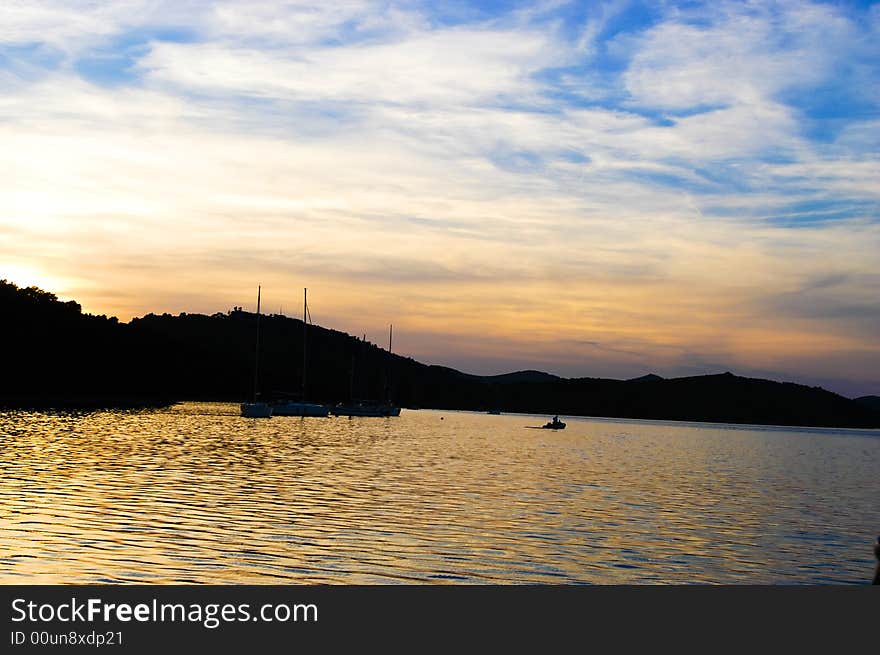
{"type": "Point", "coordinates": [650, 377]}
{"type": "Point", "coordinates": [517, 376]}
{"type": "Point", "coordinates": [56, 355]}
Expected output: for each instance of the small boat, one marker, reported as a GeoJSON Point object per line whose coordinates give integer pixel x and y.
{"type": "Point", "coordinates": [301, 407]}
{"type": "Point", "coordinates": [555, 424]}
{"type": "Point", "coordinates": [256, 409]}
{"type": "Point", "coordinates": [494, 411]}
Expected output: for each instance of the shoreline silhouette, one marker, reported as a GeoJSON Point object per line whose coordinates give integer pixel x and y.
{"type": "Point", "coordinates": [63, 357]}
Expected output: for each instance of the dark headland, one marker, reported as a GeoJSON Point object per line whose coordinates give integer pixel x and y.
{"type": "Point", "coordinates": [54, 355]}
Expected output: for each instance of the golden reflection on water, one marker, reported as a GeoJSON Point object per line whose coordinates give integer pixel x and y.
{"type": "Point", "coordinates": [195, 493]}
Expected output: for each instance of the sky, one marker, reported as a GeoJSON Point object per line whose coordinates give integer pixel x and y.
{"type": "Point", "coordinates": [590, 189]}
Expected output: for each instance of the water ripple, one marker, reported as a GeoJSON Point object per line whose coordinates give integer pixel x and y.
{"type": "Point", "coordinates": [196, 494]}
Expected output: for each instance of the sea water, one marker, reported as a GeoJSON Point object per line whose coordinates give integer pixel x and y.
{"type": "Point", "coordinates": [194, 493]}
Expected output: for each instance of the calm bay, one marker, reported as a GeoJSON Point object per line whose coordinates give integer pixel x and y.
{"type": "Point", "coordinates": [194, 493]}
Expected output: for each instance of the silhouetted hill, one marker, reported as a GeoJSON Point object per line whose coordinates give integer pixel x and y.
{"type": "Point", "coordinates": [518, 376]}
{"type": "Point", "coordinates": [871, 402]}
{"type": "Point", "coordinates": [650, 377]}
{"type": "Point", "coordinates": [55, 355]}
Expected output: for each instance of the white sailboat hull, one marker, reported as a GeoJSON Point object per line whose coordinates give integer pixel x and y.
{"type": "Point", "coordinates": [300, 409]}
{"type": "Point", "coordinates": [365, 410]}
{"type": "Point", "coordinates": [256, 410]}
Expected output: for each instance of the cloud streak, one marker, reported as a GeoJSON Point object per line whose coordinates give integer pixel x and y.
{"type": "Point", "coordinates": [612, 191]}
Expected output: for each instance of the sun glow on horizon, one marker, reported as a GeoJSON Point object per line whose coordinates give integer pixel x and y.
{"type": "Point", "coordinates": [27, 275]}
{"type": "Point", "coordinates": [597, 189]}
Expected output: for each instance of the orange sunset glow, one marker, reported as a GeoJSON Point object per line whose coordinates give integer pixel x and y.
{"type": "Point", "coordinates": [446, 178]}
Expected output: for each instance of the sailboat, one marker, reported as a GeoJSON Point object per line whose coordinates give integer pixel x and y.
{"type": "Point", "coordinates": [388, 407]}
{"type": "Point", "coordinates": [301, 407]}
{"type": "Point", "coordinates": [371, 408]}
{"type": "Point", "coordinates": [256, 409]}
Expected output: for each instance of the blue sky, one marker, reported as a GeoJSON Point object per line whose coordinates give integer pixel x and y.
{"type": "Point", "coordinates": [587, 188]}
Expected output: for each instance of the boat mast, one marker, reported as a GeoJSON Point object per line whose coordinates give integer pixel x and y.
{"type": "Point", "coordinates": [257, 352]}
{"type": "Point", "coordinates": [305, 311]}
{"type": "Point", "coordinates": [388, 368]}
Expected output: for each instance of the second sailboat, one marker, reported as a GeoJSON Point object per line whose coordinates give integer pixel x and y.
{"type": "Point", "coordinates": [301, 407]}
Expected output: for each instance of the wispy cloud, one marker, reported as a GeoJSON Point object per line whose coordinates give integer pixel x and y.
{"type": "Point", "coordinates": [605, 187]}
